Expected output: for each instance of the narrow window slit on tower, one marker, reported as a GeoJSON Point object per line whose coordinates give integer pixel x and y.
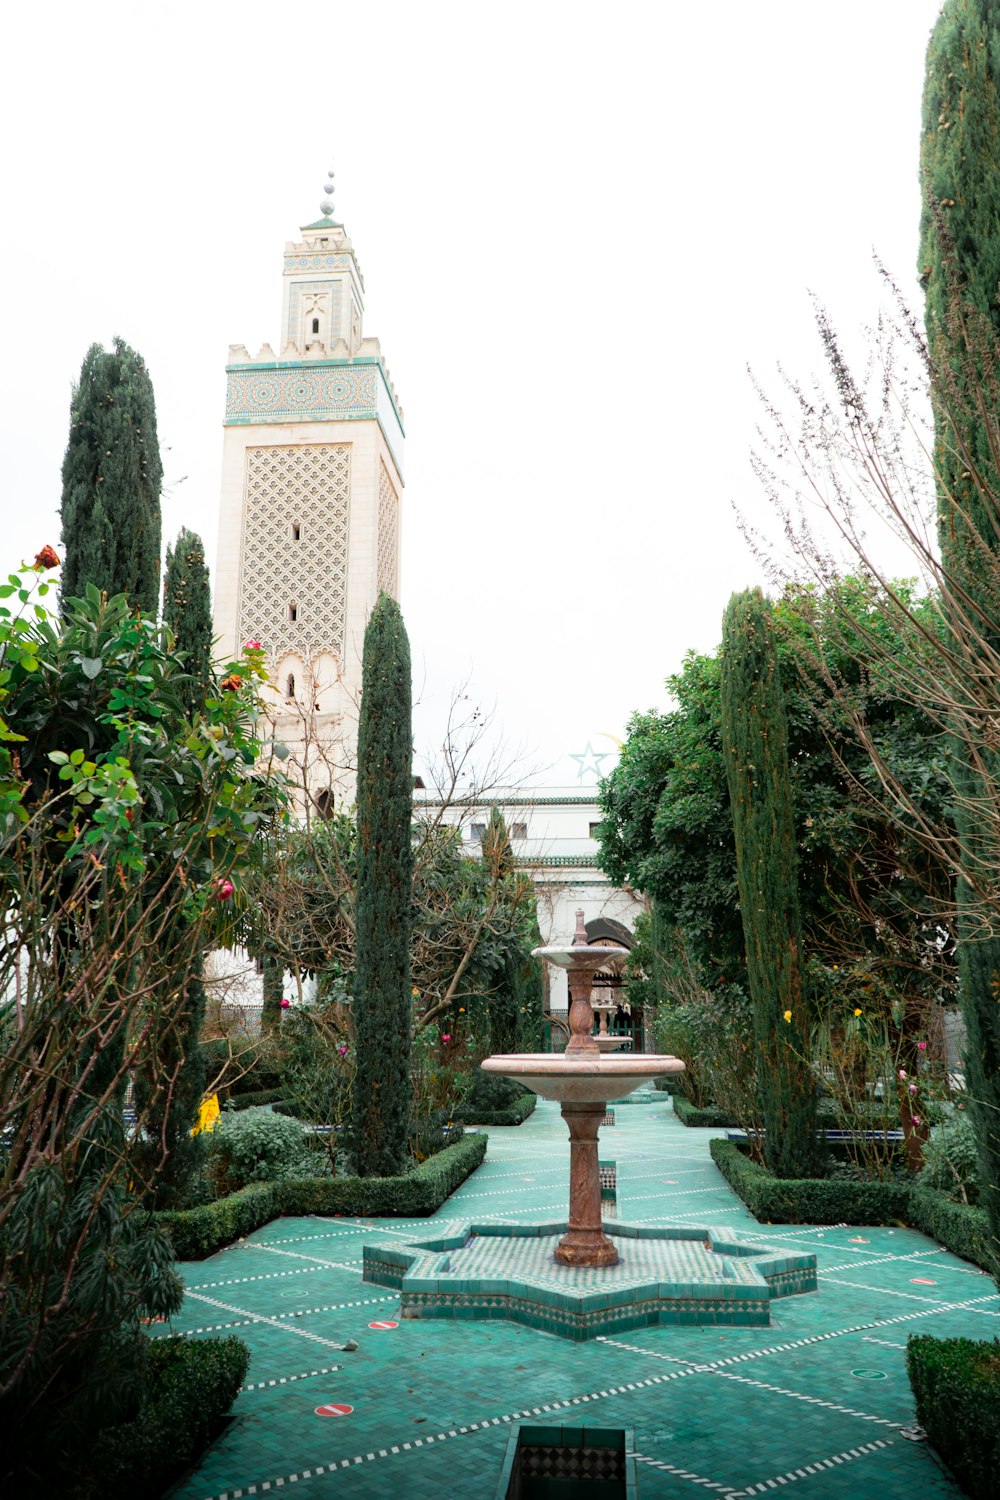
{"type": "Point", "coordinates": [293, 612]}
{"type": "Point", "coordinates": [290, 685]}
{"type": "Point", "coordinates": [296, 531]}
{"type": "Point", "coordinates": [315, 325]}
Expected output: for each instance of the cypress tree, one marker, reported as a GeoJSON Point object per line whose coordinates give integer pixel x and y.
{"type": "Point", "coordinates": [111, 478]}
{"type": "Point", "coordinates": [755, 747]}
{"type": "Point", "coordinates": [274, 983]}
{"type": "Point", "coordinates": [960, 268]}
{"type": "Point", "coordinates": [382, 996]}
{"type": "Point", "coordinates": [187, 611]}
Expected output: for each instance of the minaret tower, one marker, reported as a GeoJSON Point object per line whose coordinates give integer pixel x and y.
{"type": "Point", "coordinates": [310, 510]}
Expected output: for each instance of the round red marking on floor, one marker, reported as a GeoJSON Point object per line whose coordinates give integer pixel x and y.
{"type": "Point", "coordinates": [384, 1323]}
{"type": "Point", "coordinates": [922, 1281]}
{"type": "Point", "coordinates": [334, 1409]}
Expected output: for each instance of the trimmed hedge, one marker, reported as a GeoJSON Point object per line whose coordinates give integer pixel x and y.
{"type": "Point", "coordinates": [191, 1386]}
{"type": "Point", "coordinates": [670, 1084]}
{"type": "Point", "coordinates": [515, 1115]}
{"type": "Point", "coordinates": [961, 1228]}
{"type": "Point", "coordinates": [956, 1386]}
{"type": "Point", "coordinates": [197, 1232]}
{"type": "Point", "coordinates": [690, 1114]}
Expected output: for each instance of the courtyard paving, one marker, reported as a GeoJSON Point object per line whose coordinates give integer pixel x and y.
{"type": "Point", "coordinates": [818, 1403]}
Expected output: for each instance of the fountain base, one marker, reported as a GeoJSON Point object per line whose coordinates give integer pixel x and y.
{"type": "Point", "coordinates": [681, 1275]}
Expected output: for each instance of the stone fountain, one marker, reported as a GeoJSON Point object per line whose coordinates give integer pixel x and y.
{"type": "Point", "coordinates": [583, 1081]}
{"type": "Point", "coordinates": [573, 1278]}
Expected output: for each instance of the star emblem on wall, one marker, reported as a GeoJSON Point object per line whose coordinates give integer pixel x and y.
{"type": "Point", "coordinates": [589, 763]}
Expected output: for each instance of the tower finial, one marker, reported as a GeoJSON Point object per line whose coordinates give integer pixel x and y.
{"type": "Point", "coordinates": [326, 207]}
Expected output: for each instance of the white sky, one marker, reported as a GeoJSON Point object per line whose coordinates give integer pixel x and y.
{"type": "Point", "coordinates": [578, 224]}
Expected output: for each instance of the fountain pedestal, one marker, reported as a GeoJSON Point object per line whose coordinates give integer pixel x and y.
{"type": "Point", "coordinates": [583, 1082]}
{"type": "Point", "coordinates": [584, 1243]}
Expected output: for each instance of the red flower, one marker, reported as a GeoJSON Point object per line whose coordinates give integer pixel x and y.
{"type": "Point", "coordinates": [47, 558]}
{"type": "Point", "coordinates": [232, 683]}
{"type": "Point", "coordinates": [252, 646]}
{"type": "Point", "coordinates": [285, 1004]}
{"type": "Point", "coordinates": [224, 890]}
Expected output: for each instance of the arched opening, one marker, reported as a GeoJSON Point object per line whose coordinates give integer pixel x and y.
{"type": "Point", "coordinates": [315, 327]}
{"type": "Point", "coordinates": [290, 685]}
{"type": "Point", "coordinates": [323, 802]}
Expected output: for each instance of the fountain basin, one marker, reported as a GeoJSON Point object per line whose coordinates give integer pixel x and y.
{"type": "Point", "coordinates": [582, 1078]}
{"type": "Point", "coordinates": [679, 1275]}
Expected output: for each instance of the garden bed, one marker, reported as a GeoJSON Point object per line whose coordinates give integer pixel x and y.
{"type": "Point", "coordinates": [516, 1114]}
{"type": "Point", "coordinates": [197, 1232]}
{"type": "Point", "coordinates": [959, 1227]}
{"type": "Point", "coordinates": [708, 1117]}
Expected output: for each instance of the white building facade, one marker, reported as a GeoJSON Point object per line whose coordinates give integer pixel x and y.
{"type": "Point", "coordinates": [553, 834]}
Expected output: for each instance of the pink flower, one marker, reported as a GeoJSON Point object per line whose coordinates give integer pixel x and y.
{"type": "Point", "coordinates": [902, 1072]}
{"type": "Point", "coordinates": [342, 1051]}
{"type": "Point", "coordinates": [285, 1004]}
{"type": "Point", "coordinates": [252, 646]}
{"type": "Point", "coordinates": [446, 1037]}
{"type": "Point", "coordinates": [921, 1046]}
{"type": "Point", "coordinates": [916, 1119]}
{"type": "Point", "coordinates": [224, 890]}
{"type": "Point", "coordinates": [913, 1088]}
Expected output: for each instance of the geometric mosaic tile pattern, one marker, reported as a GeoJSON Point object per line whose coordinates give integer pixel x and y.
{"type": "Point", "coordinates": [684, 1275]}
{"type": "Point", "coordinates": [296, 519]}
{"type": "Point", "coordinates": [817, 1405]}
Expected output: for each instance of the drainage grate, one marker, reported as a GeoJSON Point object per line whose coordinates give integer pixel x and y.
{"type": "Point", "coordinates": [587, 1463]}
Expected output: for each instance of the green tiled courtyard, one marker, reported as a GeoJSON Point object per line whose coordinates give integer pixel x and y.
{"type": "Point", "coordinates": [818, 1402]}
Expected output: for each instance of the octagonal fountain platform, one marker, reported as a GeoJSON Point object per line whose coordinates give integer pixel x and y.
{"type": "Point", "coordinates": [686, 1276]}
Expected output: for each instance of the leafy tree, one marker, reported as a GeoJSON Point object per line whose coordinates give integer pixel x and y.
{"type": "Point", "coordinates": [755, 746]}
{"type": "Point", "coordinates": [383, 908]}
{"type": "Point", "coordinates": [274, 983]}
{"type": "Point", "coordinates": [121, 828]}
{"type": "Point", "coordinates": [187, 612]}
{"type": "Point", "coordinates": [873, 895]}
{"type": "Point", "coordinates": [111, 479]}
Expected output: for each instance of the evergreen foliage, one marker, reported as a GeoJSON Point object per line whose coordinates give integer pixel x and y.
{"type": "Point", "coordinates": [383, 1002]}
{"type": "Point", "coordinates": [187, 612]}
{"type": "Point", "coordinates": [274, 983]}
{"type": "Point", "coordinates": [960, 266]}
{"type": "Point", "coordinates": [111, 479]}
{"type": "Point", "coordinates": [755, 743]}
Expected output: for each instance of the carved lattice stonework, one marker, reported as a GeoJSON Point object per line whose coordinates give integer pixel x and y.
{"type": "Point", "coordinates": [387, 571]}
{"type": "Point", "coordinates": [296, 518]}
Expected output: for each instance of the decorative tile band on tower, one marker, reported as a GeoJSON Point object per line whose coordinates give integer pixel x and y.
{"type": "Point", "coordinates": [296, 525]}
{"type": "Point", "coordinates": [318, 391]}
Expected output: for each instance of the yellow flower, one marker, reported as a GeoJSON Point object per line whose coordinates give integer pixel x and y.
{"type": "Point", "coordinates": [856, 1011]}
{"type": "Point", "coordinates": [788, 1015]}
{"type": "Point", "coordinates": [461, 1010]}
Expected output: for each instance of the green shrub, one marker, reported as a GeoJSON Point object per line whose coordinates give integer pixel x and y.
{"type": "Point", "coordinates": [515, 1115]}
{"type": "Point", "coordinates": [198, 1232]}
{"type": "Point", "coordinates": [710, 1116]}
{"type": "Point", "coordinates": [490, 1091]}
{"type": "Point", "coordinates": [809, 1200]}
{"type": "Point", "coordinates": [951, 1159]}
{"type": "Point", "coordinates": [956, 1386]}
{"type": "Point", "coordinates": [257, 1145]}
{"type": "Point", "coordinates": [961, 1228]}
{"type": "Point", "coordinates": [190, 1387]}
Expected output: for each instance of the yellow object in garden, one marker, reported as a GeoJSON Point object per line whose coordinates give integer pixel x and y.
{"type": "Point", "coordinates": [207, 1114]}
